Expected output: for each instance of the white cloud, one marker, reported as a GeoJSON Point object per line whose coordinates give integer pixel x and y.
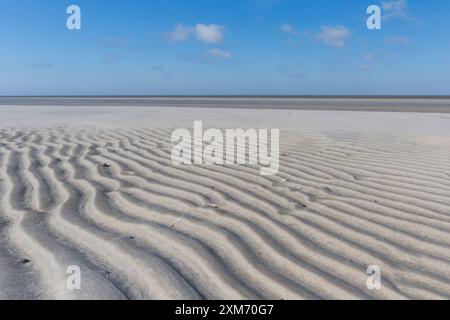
{"type": "Point", "coordinates": [212, 33]}
{"type": "Point", "coordinates": [395, 9]}
{"type": "Point", "coordinates": [289, 29]}
{"type": "Point", "coordinates": [219, 54]}
{"type": "Point", "coordinates": [398, 40]}
{"type": "Point", "coordinates": [333, 36]}
{"type": "Point", "coordinates": [181, 33]}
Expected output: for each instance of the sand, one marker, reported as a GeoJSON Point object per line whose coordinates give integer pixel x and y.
{"type": "Point", "coordinates": [95, 187]}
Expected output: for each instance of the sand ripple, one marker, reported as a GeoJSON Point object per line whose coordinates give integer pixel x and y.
{"type": "Point", "coordinates": [111, 202]}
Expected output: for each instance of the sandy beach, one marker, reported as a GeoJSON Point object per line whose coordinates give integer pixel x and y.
{"type": "Point", "coordinates": [95, 187]}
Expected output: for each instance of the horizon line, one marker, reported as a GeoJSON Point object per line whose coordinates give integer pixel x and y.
{"type": "Point", "coordinates": [235, 96]}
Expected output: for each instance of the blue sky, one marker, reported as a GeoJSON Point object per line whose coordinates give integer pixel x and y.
{"type": "Point", "coordinates": [164, 47]}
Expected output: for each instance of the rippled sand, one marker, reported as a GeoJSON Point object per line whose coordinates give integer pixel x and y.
{"type": "Point", "coordinates": [107, 198]}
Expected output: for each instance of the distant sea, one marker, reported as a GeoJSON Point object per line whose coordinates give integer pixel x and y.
{"type": "Point", "coordinates": [428, 104]}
